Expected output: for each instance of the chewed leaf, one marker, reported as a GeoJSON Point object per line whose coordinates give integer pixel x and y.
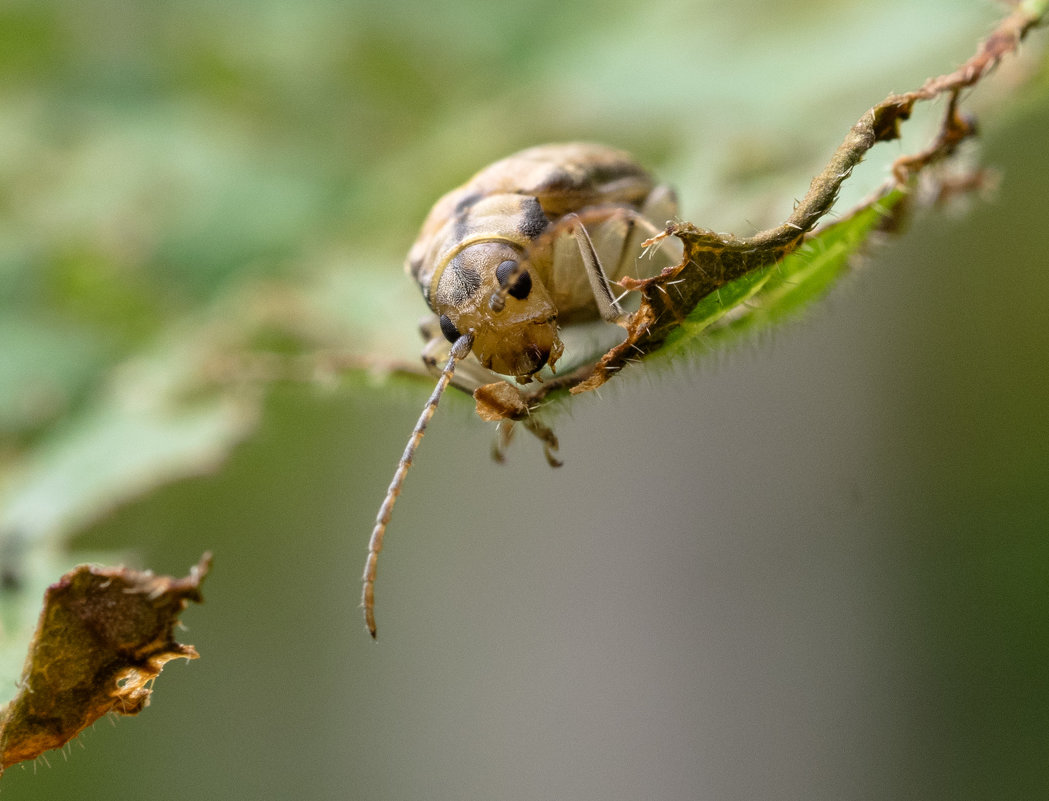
{"type": "Point", "coordinates": [771, 294]}
{"type": "Point", "coordinates": [718, 272]}
{"type": "Point", "coordinates": [104, 636]}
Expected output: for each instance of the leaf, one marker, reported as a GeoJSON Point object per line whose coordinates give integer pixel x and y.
{"type": "Point", "coordinates": [770, 294]}
{"type": "Point", "coordinates": [671, 310]}
{"type": "Point", "coordinates": [104, 635]}
{"type": "Point", "coordinates": [144, 445]}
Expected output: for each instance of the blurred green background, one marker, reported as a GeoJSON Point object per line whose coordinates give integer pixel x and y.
{"type": "Point", "coordinates": [813, 566]}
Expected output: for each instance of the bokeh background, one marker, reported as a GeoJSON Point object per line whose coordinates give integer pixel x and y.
{"type": "Point", "coordinates": [813, 565]}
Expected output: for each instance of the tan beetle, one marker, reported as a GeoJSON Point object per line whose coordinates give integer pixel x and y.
{"type": "Point", "coordinates": [529, 244]}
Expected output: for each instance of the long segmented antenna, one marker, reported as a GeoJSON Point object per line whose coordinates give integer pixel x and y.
{"type": "Point", "coordinates": [460, 350]}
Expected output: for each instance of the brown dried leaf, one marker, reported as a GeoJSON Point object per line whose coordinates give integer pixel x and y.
{"type": "Point", "coordinates": [500, 401]}
{"type": "Point", "coordinates": [104, 635]}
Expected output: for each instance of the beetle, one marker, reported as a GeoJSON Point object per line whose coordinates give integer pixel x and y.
{"type": "Point", "coordinates": [528, 245]}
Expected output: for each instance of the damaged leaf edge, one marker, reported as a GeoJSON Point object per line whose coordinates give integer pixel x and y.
{"type": "Point", "coordinates": [91, 656]}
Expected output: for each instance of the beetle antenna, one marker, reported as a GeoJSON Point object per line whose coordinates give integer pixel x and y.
{"type": "Point", "coordinates": [460, 350]}
{"type": "Point", "coordinates": [497, 302]}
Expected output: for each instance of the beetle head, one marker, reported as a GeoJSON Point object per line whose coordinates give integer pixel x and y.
{"type": "Point", "coordinates": [488, 289]}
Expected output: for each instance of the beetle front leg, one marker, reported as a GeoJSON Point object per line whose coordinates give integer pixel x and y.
{"type": "Point", "coordinates": [503, 403]}
{"type": "Point", "coordinates": [607, 306]}
{"type": "Point", "coordinates": [595, 248]}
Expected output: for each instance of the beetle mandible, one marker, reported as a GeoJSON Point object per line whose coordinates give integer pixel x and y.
{"type": "Point", "coordinates": [529, 244]}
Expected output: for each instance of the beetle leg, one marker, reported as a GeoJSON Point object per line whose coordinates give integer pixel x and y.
{"type": "Point", "coordinates": [503, 402]}
{"type": "Point", "coordinates": [546, 435]}
{"type": "Point", "coordinates": [598, 246]}
{"type": "Point", "coordinates": [636, 226]}
{"type": "Point", "coordinates": [504, 433]}
{"type": "Point", "coordinates": [607, 306]}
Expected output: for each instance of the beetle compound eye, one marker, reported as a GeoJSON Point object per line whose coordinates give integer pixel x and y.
{"type": "Point", "coordinates": [521, 286]}
{"type": "Point", "coordinates": [504, 270]}
{"type": "Point", "coordinates": [451, 333]}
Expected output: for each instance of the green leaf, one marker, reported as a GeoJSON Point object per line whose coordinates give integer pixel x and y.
{"type": "Point", "coordinates": [794, 283]}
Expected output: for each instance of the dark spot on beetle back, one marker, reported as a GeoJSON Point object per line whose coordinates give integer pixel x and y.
{"type": "Point", "coordinates": [557, 180]}
{"type": "Point", "coordinates": [533, 220]}
{"type": "Point", "coordinates": [616, 171]}
{"type": "Point", "coordinates": [463, 209]}
{"type": "Point", "coordinates": [467, 202]}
